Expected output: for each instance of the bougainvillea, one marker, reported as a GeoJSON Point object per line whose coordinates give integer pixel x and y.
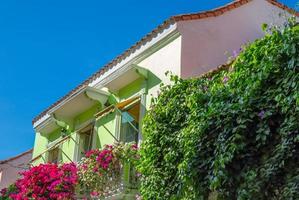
{"type": "Point", "coordinates": [100, 172]}
{"type": "Point", "coordinates": [231, 134]}
{"type": "Point", "coordinates": [47, 181]}
{"type": "Point", "coordinates": [6, 193]}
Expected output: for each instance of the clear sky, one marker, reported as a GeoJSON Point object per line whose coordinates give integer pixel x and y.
{"type": "Point", "coordinates": [48, 47]}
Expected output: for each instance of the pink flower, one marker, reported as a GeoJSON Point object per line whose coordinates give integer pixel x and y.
{"type": "Point", "coordinates": [94, 194]}
{"type": "Point", "coordinates": [92, 153]}
{"type": "Point", "coordinates": [3, 191]}
{"type": "Point", "coordinates": [138, 197]}
{"type": "Point", "coordinates": [47, 181]}
{"type": "Point", "coordinates": [225, 79]}
{"type": "Point", "coordinates": [235, 53]}
{"type": "Point", "coordinates": [95, 169]}
{"type": "Point", "coordinates": [84, 166]}
{"type": "Point", "coordinates": [134, 147]}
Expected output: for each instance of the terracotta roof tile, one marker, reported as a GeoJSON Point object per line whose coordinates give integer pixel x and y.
{"type": "Point", "coordinates": [238, 4]}
{"type": "Point", "coordinates": [151, 35]}
{"type": "Point", "coordinates": [218, 12]}
{"type": "Point", "coordinates": [284, 7]}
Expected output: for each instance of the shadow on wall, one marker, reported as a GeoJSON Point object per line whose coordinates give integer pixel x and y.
{"type": "Point", "coordinates": [153, 80]}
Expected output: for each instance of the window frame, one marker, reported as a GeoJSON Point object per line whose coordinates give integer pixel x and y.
{"type": "Point", "coordinates": [90, 126]}
{"type": "Point", "coordinates": [120, 118]}
{"type": "Point", "coordinates": [59, 157]}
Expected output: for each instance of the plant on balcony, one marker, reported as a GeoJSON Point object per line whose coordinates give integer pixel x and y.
{"type": "Point", "coordinates": [46, 181]}
{"type": "Point", "coordinates": [98, 175]}
{"type": "Point", "coordinates": [231, 134]}
{"type": "Point", "coordinates": [100, 172]}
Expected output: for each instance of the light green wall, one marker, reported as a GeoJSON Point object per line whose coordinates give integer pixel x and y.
{"type": "Point", "coordinates": [87, 115]}
{"type": "Point", "coordinates": [68, 146]}
{"type": "Point", "coordinates": [40, 144]}
{"type": "Point", "coordinates": [105, 126]}
{"type": "Point", "coordinates": [131, 89]}
{"type": "Point", "coordinates": [54, 135]}
{"type": "Point", "coordinates": [151, 86]}
{"type": "Point", "coordinates": [68, 149]}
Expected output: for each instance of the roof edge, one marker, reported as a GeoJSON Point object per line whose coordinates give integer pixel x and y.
{"type": "Point", "coordinates": [230, 6]}
{"type": "Point", "coordinates": [284, 7]}
{"type": "Point", "coordinates": [16, 157]}
{"type": "Point", "coordinates": [184, 17]}
{"type": "Point", "coordinates": [211, 13]}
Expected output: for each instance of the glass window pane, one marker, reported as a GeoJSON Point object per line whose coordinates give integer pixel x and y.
{"type": "Point", "coordinates": [85, 142]}
{"type": "Point", "coordinates": [130, 124]}
{"type": "Point", "coordinates": [53, 155]}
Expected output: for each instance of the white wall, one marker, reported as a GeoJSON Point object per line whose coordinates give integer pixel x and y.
{"type": "Point", "coordinates": [206, 41]}
{"type": "Point", "coordinates": [168, 58]}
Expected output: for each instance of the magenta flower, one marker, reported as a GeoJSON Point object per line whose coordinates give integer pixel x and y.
{"type": "Point", "coordinates": [3, 191]}
{"type": "Point", "coordinates": [47, 181]}
{"type": "Point", "coordinates": [95, 169]}
{"type": "Point", "coordinates": [104, 164]}
{"type": "Point", "coordinates": [94, 194]}
{"type": "Point", "coordinates": [134, 147]}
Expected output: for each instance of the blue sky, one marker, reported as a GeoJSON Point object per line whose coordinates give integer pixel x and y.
{"type": "Point", "coordinates": [48, 47]}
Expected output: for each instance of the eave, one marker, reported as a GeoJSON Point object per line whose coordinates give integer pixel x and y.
{"type": "Point", "coordinates": [70, 107]}
{"type": "Point", "coordinates": [141, 49]}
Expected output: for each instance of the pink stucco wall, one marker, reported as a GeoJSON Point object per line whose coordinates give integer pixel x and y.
{"type": "Point", "coordinates": [9, 169]}
{"type": "Point", "coordinates": [206, 41]}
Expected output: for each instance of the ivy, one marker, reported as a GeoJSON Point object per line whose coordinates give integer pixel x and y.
{"type": "Point", "coordinates": [231, 134]}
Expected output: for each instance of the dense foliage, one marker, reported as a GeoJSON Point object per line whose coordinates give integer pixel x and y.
{"type": "Point", "coordinates": [100, 172]}
{"type": "Point", "coordinates": [231, 134]}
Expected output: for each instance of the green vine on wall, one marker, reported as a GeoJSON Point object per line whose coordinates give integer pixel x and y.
{"type": "Point", "coordinates": [231, 134]}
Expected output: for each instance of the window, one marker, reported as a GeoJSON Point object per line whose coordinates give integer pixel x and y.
{"type": "Point", "coordinates": [130, 123]}
{"type": "Point", "coordinates": [85, 141]}
{"type": "Point", "coordinates": [53, 156]}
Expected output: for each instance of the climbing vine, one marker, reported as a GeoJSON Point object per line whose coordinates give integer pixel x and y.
{"type": "Point", "coordinates": [232, 133]}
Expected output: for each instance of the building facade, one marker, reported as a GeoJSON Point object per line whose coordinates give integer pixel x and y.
{"type": "Point", "coordinates": [110, 105]}
{"type": "Point", "coordinates": [10, 168]}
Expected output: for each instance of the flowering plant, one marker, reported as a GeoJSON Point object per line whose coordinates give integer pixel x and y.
{"type": "Point", "coordinates": [100, 172]}
{"type": "Point", "coordinates": [98, 175]}
{"type": "Point", "coordinates": [6, 193]}
{"type": "Point", "coordinates": [47, 181]}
